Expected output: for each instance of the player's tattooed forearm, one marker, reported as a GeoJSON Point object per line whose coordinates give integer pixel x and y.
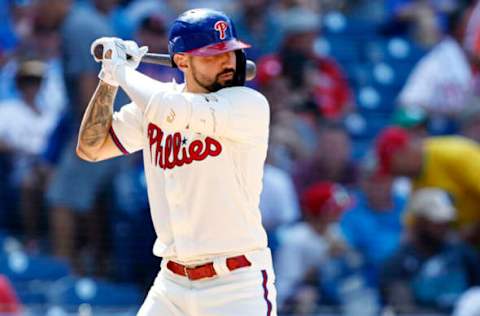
{"type": "Point", "coordinates": [99, 118]}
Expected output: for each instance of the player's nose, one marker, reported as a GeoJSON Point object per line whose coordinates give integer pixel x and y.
{"type": "Point", "coordinates": [227, 59]}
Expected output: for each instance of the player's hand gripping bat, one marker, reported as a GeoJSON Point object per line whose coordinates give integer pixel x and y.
{"type": "Point", "coordinates": [164, 60]}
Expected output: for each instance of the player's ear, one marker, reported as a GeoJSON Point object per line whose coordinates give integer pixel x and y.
{"type": "Point", "coordinates": [181, 61]}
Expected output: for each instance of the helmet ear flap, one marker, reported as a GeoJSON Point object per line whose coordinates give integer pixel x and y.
{"type": "Point", "coordinates": [241, 70]}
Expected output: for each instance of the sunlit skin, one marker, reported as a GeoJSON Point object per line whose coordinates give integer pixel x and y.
{"type": "Point", "coordinates": [205, 74]}
{"type": "Point", "coordinates": [408, 161]}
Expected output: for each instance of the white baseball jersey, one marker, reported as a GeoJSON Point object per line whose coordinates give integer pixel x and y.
{"type": "Point", "coordinates": [203, 157]}
{"type": "Point", "coordinates": [441, 80]}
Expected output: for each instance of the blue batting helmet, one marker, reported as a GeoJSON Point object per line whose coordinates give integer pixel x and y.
{"type": "Point", "coordinates": [206, 32]}
{"type": "Point", "coordinates": [203, 32]}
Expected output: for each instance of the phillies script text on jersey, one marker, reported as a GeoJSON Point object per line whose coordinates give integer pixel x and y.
{"type": "Point", "coordinates": [168, 156]}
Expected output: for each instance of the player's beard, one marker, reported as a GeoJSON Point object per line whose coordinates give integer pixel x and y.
{"type": "Point", "coordinates": [215, 85]}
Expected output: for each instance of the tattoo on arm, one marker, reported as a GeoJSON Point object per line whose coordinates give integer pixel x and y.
{"type": "Point", "coordinates": [98, 116]}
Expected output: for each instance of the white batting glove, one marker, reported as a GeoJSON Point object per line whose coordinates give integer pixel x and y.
{"type": "Point", "coordinates": [114, 58]}
{"type": "Point", "coordinates": [117, 54]}
{"type": "Point", "coordinates": [134, 53]}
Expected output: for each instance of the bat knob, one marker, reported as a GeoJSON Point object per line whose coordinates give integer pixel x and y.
{"type": "Point", "coordinates": [98, 53]}
{"type": "Point", "coordinates": [251, 70]}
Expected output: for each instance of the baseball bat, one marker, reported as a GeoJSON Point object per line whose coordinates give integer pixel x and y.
{"type": "Point", "coordinates": [164, 60]}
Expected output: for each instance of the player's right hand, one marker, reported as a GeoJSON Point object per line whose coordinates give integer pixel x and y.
{"type": "Point", "coordinates": [134, 53]}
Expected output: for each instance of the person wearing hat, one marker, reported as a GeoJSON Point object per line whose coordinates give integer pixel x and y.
{"type": "Point", "coordinates": [378, 208]}
{"type": "Point", "coordinates": [451, 163]}
{"type": "Point", "coordinates": [152, 32]}
{"type": "Point", "coordinates": [432, 268]}
{"type": "Point", "coordinates": [317, 83]}
{"type": "Point", "coordinates": [204, 144]}
{"type": "Point", "coordinates": [25, 125]}
{"type": "Point", "coordinates": [311, 246]}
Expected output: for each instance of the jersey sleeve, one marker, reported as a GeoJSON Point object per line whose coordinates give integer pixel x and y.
{"type": "Point", "coordinates": [238, 113]}
{"type": "Point", "coordinates": [127, 128]}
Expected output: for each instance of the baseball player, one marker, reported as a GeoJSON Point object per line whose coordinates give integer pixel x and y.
{"type": "Point", "coordinates": [204, 144]}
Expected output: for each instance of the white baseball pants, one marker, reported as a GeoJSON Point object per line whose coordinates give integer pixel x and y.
{"type": "Point", "coordinates": [248, 291]}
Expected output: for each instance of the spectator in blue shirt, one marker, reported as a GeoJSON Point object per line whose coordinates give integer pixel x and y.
{"type": "Point", "coordinates": [433, 267]}
{"type": "Point", "coordinates": [374, 224]}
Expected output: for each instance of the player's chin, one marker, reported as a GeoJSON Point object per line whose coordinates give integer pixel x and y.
{"type": "Point", "coordinates": [225, 80]}
{"type": "Point", "coordinates": [227, 83]}
{"type": "Point", "coordinates": [220, 84]}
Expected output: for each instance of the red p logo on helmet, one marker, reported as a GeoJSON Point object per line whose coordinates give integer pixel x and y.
{"type": "Point", "coordinates": [221, 27]}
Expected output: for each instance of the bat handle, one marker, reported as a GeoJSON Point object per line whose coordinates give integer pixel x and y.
{"type": "Point", "coordinates": [98, 52]}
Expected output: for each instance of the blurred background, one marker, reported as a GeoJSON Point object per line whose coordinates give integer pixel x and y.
{"type": "Point", "coordinates": [371, 195]}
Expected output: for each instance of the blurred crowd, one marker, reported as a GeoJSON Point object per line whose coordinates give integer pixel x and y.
{"type": "Point", "coordinates": [371, 191]}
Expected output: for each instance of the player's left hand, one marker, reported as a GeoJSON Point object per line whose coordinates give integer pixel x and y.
{"type": "Point", "coordinates": [117, 54]}
{"type": "Point", "coordinates": [114, 58]}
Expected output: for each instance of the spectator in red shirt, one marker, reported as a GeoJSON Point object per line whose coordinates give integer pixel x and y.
{"type": "Point", "coordinates": [316, 82]}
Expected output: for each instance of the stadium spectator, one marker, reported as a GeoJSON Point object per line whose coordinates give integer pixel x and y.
{"type": "Point", "coordinates": [313, 258]}
{"type": "Point", "coordinates": [432, 269]}
{"type": "Point", "coordinates": [9, 302]}
{"type": "Point", "coordinates": [136, 10]}
{"type": "Point", "coordinates": [471, 44]}
{"type": "Point", "coordinates": [24, 130]}
{"type": "Point", "coordinates": [291, 137]}
{"type": "Point", "coordinates": [8, 38]}
{"type": "Point", "coordinates": [75, 185]}
{"type": "Point", "coordinates": [43, 45]}
{"type": "Point", "coordinates": [469, 120]}
{"type": "Point", "coordinates": [451, 163]}
{"type": "Point", "coordinates": [258, 26]}
{"type": "Point", "coordinates": [278, 202]}
{"type": "Point", "coordinates": [471, 40]}
{"type": "Point", "coordinates": [330, 161]}
{"type": "Point", "coordinates": [132, 233]}
{"type": "Point", "coordinates": [22, 15]}
{"type": "Point", "coordinates": [152, 32]}
{"type": "Point", "coordinates": [317, 82]}
{"type": "Point", "coordinates": [442, 94]}
{"type": "Point", "coordinates": [422, 20]}
{"type": "Point", "coordinates": [373, 226]}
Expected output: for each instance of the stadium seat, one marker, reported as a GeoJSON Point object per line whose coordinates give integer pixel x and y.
{"type": "Point", "coordinates": [335, 23]}
{"type": "Point", "coordinates": [391, 50]}
{"type": "Point", "coordinates": [364, 127]}
{"type": "Point", "coordinates": [20, 267]}
{"type": "Point", "coordinates": [376, 99]}
{"type": "Point", "coordinates": [31, 276]}
{"type": "Point", "coordinates": [341, 49]}
{"type": "Point", "coordinates": [360, 149]}
{"type": "Point", "coordinates": [72, 292]}
{"type": "Point", "coordinates": [381, 75]}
